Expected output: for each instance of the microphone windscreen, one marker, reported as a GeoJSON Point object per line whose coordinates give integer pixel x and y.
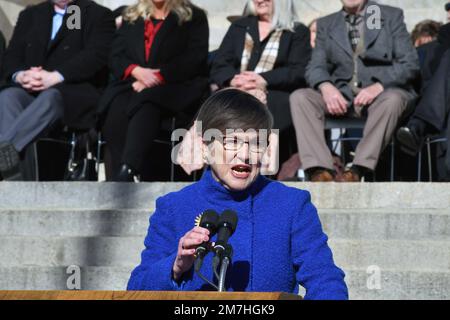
{"type": "Point", "coordinates": [209, 220]}
{"type": "Point", "coordinates": [230, 218]}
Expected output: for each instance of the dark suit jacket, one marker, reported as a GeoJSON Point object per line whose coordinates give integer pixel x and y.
{"type": "Point", "coordinates": [434, 107]}
{"type": "Point", "coordinates": [432, 54]}
{"type": "Point", "coordinates": [179, 51]}
{"type": "Point", "coordinates": [389, 58]}
{"type": "Point", "coordinates": [288, 73]}
{"type": "Point", "coordinates": [79, 55]}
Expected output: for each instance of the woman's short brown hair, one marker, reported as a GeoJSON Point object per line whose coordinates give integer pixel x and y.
{"type": "Point", "coordinates": [234, 109]}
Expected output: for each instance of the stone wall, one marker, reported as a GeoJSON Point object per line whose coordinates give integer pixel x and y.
{"type": "Point", "coordinates": [218, 10]}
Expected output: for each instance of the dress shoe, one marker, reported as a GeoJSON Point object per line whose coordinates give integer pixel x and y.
{"type": "Point", "coordinates": [411, 138]}
{"type": "Point", "coordinates": [9, 162]}
{"type": "Point", "coordinates": [321, 176]}
{"type": "Point", "coordinates": [126, 174]}
{"type": "Point", "coordinates": [350, 176]}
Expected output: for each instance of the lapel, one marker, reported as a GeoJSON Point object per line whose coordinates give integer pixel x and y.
{"type": "Point", "coordinates": [339, 33]}
{"type": "Point", "coordinates": [253, 30]}
{"type": "Point", "coordinates": [249, 25]}
{"type": "Point", "coordinates": [43, 32]}
{"type": "Point", "coordinates": [371, 34]}
{"type": "Point", "coordinates": [59, 36]}
{"type": "Point", "coordinates": [139, 41]}
{"type": "Point", "coordinates": [285, 41]}
{"type": "Point", "coordinates": [64, 31]}
{"type": "Point", "coordinates": [168, 26]}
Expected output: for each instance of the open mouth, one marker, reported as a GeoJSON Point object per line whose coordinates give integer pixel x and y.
{"type": "Point", "coordinates": [241, 171]}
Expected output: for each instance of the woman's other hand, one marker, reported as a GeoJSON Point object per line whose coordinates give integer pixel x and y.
{"type": "Point", "coordinates": [258, 94]}
{"type": "Point", "coordinates": [138, 86]}
{"type": "Point", "coordinates": [255, 80]}
{"type": "Point", "coordinates": [249, 81]}
{"type": "Point", "coordinates": [147, 76]}
{"type": "Point", "coordinates": [237, 82]}
{"type": "Point", "coordinates": [186, 250]}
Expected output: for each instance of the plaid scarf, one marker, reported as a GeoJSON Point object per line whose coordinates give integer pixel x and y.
{"type": "Point", "coordinates": [353, 33]}
{"type": "Point", "coordinates": [269, 55]}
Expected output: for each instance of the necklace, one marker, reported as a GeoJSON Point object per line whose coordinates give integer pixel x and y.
{"type": "Point", "coordinates": [164, 16]}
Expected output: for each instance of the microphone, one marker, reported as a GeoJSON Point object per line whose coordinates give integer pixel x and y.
{"type": "Point", "coordinates": [209, 220]}
{"type": "Point", "coordinates": [226, 226]}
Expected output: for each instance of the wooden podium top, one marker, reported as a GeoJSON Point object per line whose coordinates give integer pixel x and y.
{"type": "Point", "coordinates": [144, 295]}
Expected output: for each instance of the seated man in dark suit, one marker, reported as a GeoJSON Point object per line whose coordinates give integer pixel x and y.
{"type": "Point", "coordinates": [363, 65]}
{"type": "Point", "coordinates": [51, 72]}
{"type": "Point", "coordinates": [431, 117]}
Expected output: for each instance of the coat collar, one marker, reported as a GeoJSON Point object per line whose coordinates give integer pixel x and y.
{"type": "Point", "coordinates": [63, 31]}
{"type": "Point", "coordinates": [215, 192]}
{"type": "Point", "coordinates": [167, 27]}
{"type": "Point", "coordinates": [250, 24]}
{"type": "Point", "coordinates": [339, 32]}
{"type": "Point", "coordinates": [371, 32]}
{"type": "Point", "coordinates": [43, 33]}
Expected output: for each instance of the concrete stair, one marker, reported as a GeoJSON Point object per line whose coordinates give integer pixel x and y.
{"type": "Point", "coordinates": [402, 230]}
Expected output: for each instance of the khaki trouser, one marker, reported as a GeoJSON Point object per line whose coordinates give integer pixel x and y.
{"type": "Point", "coordinates": [308, 114]}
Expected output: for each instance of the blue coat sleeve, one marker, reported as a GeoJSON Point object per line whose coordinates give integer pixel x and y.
{"type": "Point", "coordinates": [155, 270]}
{"type": "Point", "coordinates": [313, 260]}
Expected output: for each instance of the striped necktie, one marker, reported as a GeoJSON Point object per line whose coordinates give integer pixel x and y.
{"type": "Point", "coordinates": [353, 32]}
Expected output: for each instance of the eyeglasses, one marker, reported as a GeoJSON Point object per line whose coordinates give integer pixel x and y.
{"type": "Point", "coordinates": [236, 144]}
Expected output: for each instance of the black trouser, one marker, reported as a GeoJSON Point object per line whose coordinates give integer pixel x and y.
{"type": "Point", "coordinates": [130, 139]}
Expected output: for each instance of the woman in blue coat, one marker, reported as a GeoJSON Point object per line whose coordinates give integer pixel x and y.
{"type": "Point", "coordinates": [278, 244]}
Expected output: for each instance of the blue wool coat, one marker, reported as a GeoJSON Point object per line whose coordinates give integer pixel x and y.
{"type": "Point", "coordinates": [278, 243]}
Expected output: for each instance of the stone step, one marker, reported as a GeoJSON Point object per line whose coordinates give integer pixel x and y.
{"type": "Point", "coordinates": [113, 196]}
{"type": "Point", "coordinates": [399, 285]}
{"type": "Point", "coordinates": [418, 285]}
{"type": "Point", "coordinates": [125, 251]}
{"type": "Point", "coordinates": [383, 224]}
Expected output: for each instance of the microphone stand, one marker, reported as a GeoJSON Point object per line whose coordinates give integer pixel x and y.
{"type": "Point", "coordinates": [225, 262]}
{"type": "Point", "coordinates": [198, 265]}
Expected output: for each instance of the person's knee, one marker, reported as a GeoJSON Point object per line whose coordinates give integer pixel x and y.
{"type": "Point", "coordinates": [52, 95]}
{"type": "Point", "coordinates": [394, 101]}
{"type": "Point", "coordinates": [9, 94]}
{"type": "Point", "coordinates": [299, 98]}
{"type": "Point", "coordinates": [52, 102]}
{"type": "Point", "coordinates": [299, 95]}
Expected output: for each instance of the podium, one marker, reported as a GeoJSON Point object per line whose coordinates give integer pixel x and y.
{"type": "Point", "coordinates": [144, 295]}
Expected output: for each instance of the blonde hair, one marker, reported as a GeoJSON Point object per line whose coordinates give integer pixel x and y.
{"type": "Point", "coordinates": [284, 14]}
{"type": "Point", "coordinates": [144, 9]}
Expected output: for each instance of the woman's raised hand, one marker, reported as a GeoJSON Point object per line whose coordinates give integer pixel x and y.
{"type": "Point", "coordinates": [186, 250]}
